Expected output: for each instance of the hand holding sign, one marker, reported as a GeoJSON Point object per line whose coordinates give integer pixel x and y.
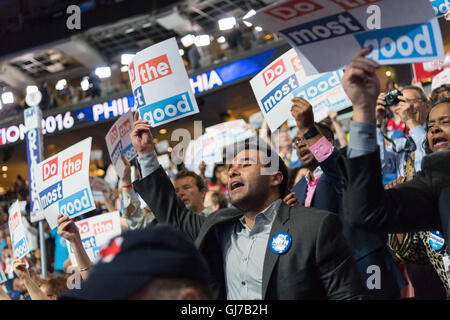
{"type": "Point", "coordinates": [141, 136]}
{"type": "Point", "coordinates": [68, 229]}
{"type": "Point", "coordinates": [20, 269]}
{"type": "Point", "coordinates": [302, 112]}
{"type": "Point", "coordinates": [362, 86]}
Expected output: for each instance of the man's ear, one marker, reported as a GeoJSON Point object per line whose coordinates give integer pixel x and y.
{"type": "Point", "coordinates": [188, 293]}
{"type": "Point", "coordinates": [276, 178]}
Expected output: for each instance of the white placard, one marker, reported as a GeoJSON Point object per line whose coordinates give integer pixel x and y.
{"type": "Point", "coordinates": [17, 231]}
{"type": "Point", "coordinates": [118, 142]}
{"type": "Point", "coordinates": [327, 33]}
{"type": "Point", "coordinates": [63, 183]}
{"type": "Point", "coordinates": [160, 84]}
{"type": "Point", "coordinates": [95, 233]}
{"type": "Point", "coordinates": [440, 79]}
{"type": "Point", "coordinates": [98, 184]}
{"type": "Point", "coordinates": [324, 92]}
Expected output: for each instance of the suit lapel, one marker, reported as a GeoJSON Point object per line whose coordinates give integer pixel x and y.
{"type": "Point", "coordinates": [270, 259]}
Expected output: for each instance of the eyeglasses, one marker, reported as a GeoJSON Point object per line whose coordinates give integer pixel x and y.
{"type": "Point", "coordinates": [442, 121]}
{"type": "Point", "coordinates": [296, 142]}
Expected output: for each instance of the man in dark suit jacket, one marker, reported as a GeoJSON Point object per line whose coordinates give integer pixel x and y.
{"type": "Point", "coordinates": [420, 204]}
{"type": "Point", "coordinates": [321, 188]}
{"type": "Point", "coordinates": [265, 249]}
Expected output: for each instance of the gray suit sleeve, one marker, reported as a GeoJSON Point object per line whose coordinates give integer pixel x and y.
{"type": "Point", "coordinates": [338, 269]}
{"type": "Point", "coordinates": [363, 139]}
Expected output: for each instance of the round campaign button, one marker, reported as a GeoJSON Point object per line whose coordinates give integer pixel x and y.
{"type": "Point", "coordinates": [280, 243]}
{"type": "Point", "coordinates": [436, 240]}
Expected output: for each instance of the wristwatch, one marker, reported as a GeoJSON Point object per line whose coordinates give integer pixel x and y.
{"type": "Point", "coordinates": [312, 132]}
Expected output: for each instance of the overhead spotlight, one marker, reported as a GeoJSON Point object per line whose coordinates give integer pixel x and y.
{"type": "Point", "coordinates": [388, 73]}
{"type": "Point", "coordinates": [181, 51]}
{"type": "Point", "coordinates": [146, 25]}
{"type": "Point", "coordinates": [163, 131]}
{"type": "Point", "coordinates": [202, 40]}
{"type": "Point", "coordinates": [7, 97]}
{"type": "Point", "coordinates": [227, 23]}
{"type": "Point", "coordinates": [188, 40]}
{"type": "Point", "coordinates": [258, 29]}
{"type": "Point", "coordinates": [84, 83]}
{"type": "Point", "coordinates": [124, 69]}
{"type": "Point", "coordinates": [248, 15]}
{"type": "Point", "coordinates": [60, 84]}
{"type": "Point", "coordinates": [129, 30]}
{"type": "Point", "coordinates": [103, 72]}
{"type": "Point", "coordinates": [221, 39]}
{"type": "Point", "coordinates": [4, 168]}
{"type": "Point", "coordinates": [126, 58]}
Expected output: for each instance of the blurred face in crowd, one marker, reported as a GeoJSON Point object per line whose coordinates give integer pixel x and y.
{"type": "Point", "coordinates": [222, 175]}
{"type": "Point", "coordinates": [421, 107]}
{"type": "Point", "coordinates": [285, 140]}
{"type": "Point", "coordinates": [438, 128]}
{"type": "Point", "coordinates": [248, 187]}
{"type": "Point", "coordinates": [192, 197]}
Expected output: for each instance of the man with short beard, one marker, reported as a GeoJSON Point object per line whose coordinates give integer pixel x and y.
{"type": "Point", "coordinates": [262, 248]}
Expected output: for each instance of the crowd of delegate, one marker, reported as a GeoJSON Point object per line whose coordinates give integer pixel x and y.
{"type": "Point", "coordinates": [327, 214]}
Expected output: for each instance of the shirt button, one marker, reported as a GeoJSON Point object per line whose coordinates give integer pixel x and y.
{"type": "Point", "coordinates": [243, 283]}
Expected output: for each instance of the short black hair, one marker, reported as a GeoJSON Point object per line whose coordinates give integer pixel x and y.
{"type": "Point", "coordinates": [426, 145]}
{"type": "Point", "coordinates": [198, 180]}
{"type": "Point", "coordinates": [325, 130]}
{"type": "Point", "coordinates": [254, 144]}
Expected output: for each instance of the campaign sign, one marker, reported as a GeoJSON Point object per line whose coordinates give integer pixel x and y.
{"type": "Point", "coordinates": [96, 232]}
{"type": "Point", "coordinates": [118, 142]}
{"type": "Point", "coordinates": [33, 125]}
{"type": "Point", "coordinates": [3, 278]}
{"type": "Point", "coordinates": [324, 92]}
{"type": "Point", "coordinates": [63, 183]}
{"type": "Point", "coordinates": [440, 7]}
{"type": "Point", "coordinates": [327, 33]}
{"type": "Point", "coordinates": [161, 85]}
{"type": "Point", "coordinates": [440, 79]}
{"type": "Point", "coordinates": [17, 231]}
{"type": "Point", "coordinates": [427, 70]}
{"type": "Point", "coordinates": [98, 184]}
{"type": "Point", "coordinates": [273, 87]}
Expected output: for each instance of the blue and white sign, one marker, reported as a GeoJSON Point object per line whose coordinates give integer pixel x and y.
{"type": "Point", "coordinates": [440, 7]}
{"type": "Point", "coordinates": [161, 85]}
{"type": "Point", "coordinates": [280, 243]}
{"type": "Point", "coordinates": [17, 231]}
{"type": "Point", "coordinates": [33, 121]}
{"type": "Point", "coordinates": [324, 92]}
{"type": "Point", "coordinates": [436, 240]}
{"type": "Point", "coordinates": [326, 34]}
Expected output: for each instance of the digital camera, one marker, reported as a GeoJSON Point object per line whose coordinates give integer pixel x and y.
{"type": "Point", "coordinates": [391, 98]}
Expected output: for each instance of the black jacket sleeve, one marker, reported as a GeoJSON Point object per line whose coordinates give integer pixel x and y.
{"type": "Point", "coordinates": [337, 267]}
{"type": "Point", "coordinates": [158, 192]}
{"type": "Point", "coordinates": [412, 206]}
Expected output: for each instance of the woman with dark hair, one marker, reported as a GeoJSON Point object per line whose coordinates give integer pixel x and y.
{"type": "Point", "coordinates": [424, 246]}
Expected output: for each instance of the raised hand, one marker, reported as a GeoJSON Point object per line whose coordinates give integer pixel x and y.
{"type": "Point", "coordinates": [141, 136]}
{"type": "Point", "coordinates": [291, 200]}
{"type": "Point", "coordinates": [126, 178]}
{"type": "Point", "coordinates": [68, 229]}
{"type": "Point", "coordinates": [20, 268]}
{"type": "Point", "coordinates": [303, 114]}
{"type": "Point", "coordinates": [362, 86]}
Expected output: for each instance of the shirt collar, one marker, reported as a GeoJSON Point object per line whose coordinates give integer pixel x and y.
{"type": "Point", "coordinates": [268, 213]}
{"type": "Point", "coordinates": [316, 173]}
